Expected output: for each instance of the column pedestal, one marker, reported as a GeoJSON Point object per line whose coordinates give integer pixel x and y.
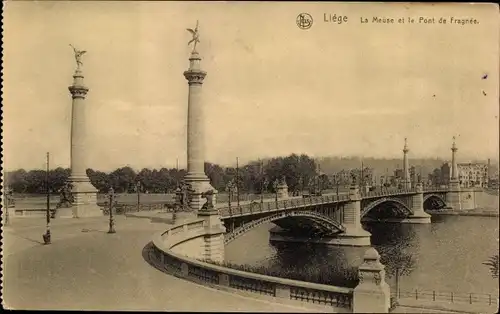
{"type": "Point", "coordinates": [198, 184]}
{"type": "Point", "coordinates": [453, 199]}
{"type": "Point", "coordinates": [282, 191]}
{"type": "Point", "coordinates": [85, 200]}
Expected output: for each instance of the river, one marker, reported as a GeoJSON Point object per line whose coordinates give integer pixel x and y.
{"type": "Point", "coordinates": [446, 255]}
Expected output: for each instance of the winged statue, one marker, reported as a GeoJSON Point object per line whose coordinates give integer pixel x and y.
{"type": "Point", "coordinates": [196, 36]}
{"type": "Point", "coordinates": [78, 56]}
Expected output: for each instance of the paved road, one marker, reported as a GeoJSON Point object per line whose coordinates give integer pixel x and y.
{"type": "Point", "coordinates": [94, 270]}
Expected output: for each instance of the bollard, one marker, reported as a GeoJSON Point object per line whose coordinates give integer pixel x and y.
{"type": "Point", "coordinates": [433, 295]}
{"type": "Point", "coordinates": [470, 298]}
{"type": "Point", "coordinates": [451, 297]}
{"type": "Point", "coordinates": [416, 294]}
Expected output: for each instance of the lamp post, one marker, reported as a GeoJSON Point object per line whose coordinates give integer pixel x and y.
{"type": "Point", "coordinates": [229, 189]}
{"type": "Point", "coordinates": [275, 186]}
{"type": "Point", "coordinates": [237, 183]}
{"type": "Point", "coordinates": [46, 236]}
{"type": "Point", "coordinates": [7, 201]}
{"type": "Point", "coordinates": [111, 195]}
{"type": "Point", "coordinates": [138, 190]}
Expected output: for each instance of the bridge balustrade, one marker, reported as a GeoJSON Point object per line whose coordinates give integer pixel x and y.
{"type": "Point", "coordinates": [253, 207]}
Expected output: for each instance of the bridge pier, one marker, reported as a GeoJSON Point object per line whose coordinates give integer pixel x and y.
{"type": "Point", "coordinates": [419, 216]}
{"type": "Point", "coordinates": [354, 234]}
{"type": "Point", "coordinates": [453, 199]}
{"type": "Point", "coordinates": [214, 235]}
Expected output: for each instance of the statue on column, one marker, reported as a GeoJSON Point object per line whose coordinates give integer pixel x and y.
{"type": "Point", "coordinates": [78, 57]}
{"type": "Point", "coordinates": [196, 36]}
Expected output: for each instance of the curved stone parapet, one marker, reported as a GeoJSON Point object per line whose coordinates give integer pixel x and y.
{"type": "Point", "coordinates": [181, 249]}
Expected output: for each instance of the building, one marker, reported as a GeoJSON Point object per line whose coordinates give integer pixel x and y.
{"type": "Point", "coordinates": [473, 174]}
{"type": "Point", "coordinates": [469, 174]}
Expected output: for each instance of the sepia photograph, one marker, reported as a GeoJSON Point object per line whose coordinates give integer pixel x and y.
{"type": "Point", "coordinates": [250, 156]}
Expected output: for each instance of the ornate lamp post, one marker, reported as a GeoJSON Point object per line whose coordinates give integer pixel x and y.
{"type": "Point", "coordinates": [8, 202]}
{"type": "Point", "coordinates": [111, 195]}
{"type": "Point", "coordinates": [275, 186]}
{"type": "Point", "coordinates": [46, 236]}
{"type": "Point", "coordinates": [229, 189]}
{"type": "Point", "coordinates": [138, 186]}
{"type": "Point", "coordinates": [265, 183]}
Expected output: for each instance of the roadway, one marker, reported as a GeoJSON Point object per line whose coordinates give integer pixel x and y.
{"type": "Point", "coordinates": [93, 270]}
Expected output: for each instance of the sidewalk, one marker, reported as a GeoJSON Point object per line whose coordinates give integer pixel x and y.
{"type": "Point", "coordinates": [93, 270]}
{"type": "Point", "coordinates": [449, 307]}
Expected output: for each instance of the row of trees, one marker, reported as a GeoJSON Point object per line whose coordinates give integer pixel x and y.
{"type": "Point", "coordinates": [299, 172]}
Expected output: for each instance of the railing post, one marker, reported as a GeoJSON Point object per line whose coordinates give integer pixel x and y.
{"type": "Point", "coordinates": [451, 297]}
{"type": "Point", "coordinates": [416, 294]}
{"type": "Point", "coordinates": [470, 298]}
{"type": "Point", "coordinates": [433, 295]}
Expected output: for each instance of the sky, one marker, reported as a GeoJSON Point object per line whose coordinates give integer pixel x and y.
{"type": "Point", "coordinates": [347, 89]}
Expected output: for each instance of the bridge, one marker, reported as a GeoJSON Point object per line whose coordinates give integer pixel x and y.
{"type": "Point", "coordinates": [336, 218]}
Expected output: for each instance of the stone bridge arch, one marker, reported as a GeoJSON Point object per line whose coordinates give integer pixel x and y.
{"type": "Point", "coordinates": [434, 201]}
{"type": "Point", "coordinates": [295, 220]}
{"type": "Point", "coordinates": [400, 206]}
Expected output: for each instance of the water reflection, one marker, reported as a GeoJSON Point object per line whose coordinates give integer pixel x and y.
{"type": "Point", "coordinates": [447, 255]}
{"type": "Point", "coordinates": [396, 244]}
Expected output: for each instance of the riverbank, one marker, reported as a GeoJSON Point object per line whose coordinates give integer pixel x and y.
{"type": "Point", "coordinates": [473, 212]}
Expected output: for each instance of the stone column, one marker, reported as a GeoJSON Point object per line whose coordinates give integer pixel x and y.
{"type": "Point", "coordinates": [406, 168]}
{"type": "Point", "coordinates": [453, 198]}
{"type": "Point", "coordinates": [417, 206]}
{"type": "Point", "coordinates": [354, 234]}
{"type": "Point", "coordinates": [84, 193]}
{"type": "Point", "coordinates": [372, 294]}
{"type": "Point", "coordinates": [196, 176]}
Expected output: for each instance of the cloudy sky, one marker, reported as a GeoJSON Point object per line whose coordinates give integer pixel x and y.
{"type": "Point", "coordinates": [271, 89]}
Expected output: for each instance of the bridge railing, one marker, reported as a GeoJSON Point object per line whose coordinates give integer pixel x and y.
{"type": "Point", "coordinates": [163, 257]}
{"type": "Point", "coordinates": [447, 296]}
{"type": "Point", "coordinates": [387, 192]}
{"type": "Point", "coordinates": [261, 207]}
{"type": "Point", "coordinates": [435, 189]}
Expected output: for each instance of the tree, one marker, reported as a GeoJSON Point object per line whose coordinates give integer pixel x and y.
{"type": "Point", "coordinates": [100, 180]}
{"type": "Point", "coordinates": [122, 180]}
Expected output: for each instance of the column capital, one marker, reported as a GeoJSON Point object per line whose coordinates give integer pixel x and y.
{"type": "Point", "coordinates": [78, 89]}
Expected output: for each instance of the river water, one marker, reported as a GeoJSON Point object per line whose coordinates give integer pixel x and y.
{"type": "Point", "coordinates": [446, 255]}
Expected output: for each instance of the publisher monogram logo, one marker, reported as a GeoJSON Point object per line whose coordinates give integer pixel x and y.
{"type": "Point", "coordinates": [304, 21]}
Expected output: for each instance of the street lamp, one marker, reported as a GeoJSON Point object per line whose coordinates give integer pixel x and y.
{"type": "Point", "coordinates": [8, 202]}
{"type": "Point", "coordinates": [138, 190]}
{"type": "Point", "coordinates": [229, 189]}
{"type": "Point", "coordinates": [275, 186]}
{"type": "Point", "coordinates": [263, 187]}
{"type": "Point", "coordinates": [46, 236]}
{"type": "Point", "coordinates": [111, 195]}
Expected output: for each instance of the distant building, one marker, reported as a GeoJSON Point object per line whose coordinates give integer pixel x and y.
{"type": "Point", "coordinates": [469, 174]}
{"type": "Point", "coordinates": [473, 174]}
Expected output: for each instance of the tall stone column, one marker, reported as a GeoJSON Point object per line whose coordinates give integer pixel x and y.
{"type": "Point", "coordinates": [453, 197]}
{"type": "Point", "coordinates": [84, 193]}
{"type": "Point", "coordinates": [196, 177]}
{"type": "Point", "coordinates": [406, 168]}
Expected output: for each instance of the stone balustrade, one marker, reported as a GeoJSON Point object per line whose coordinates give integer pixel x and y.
{"type": "Point", "coordinates": [180, 251]}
